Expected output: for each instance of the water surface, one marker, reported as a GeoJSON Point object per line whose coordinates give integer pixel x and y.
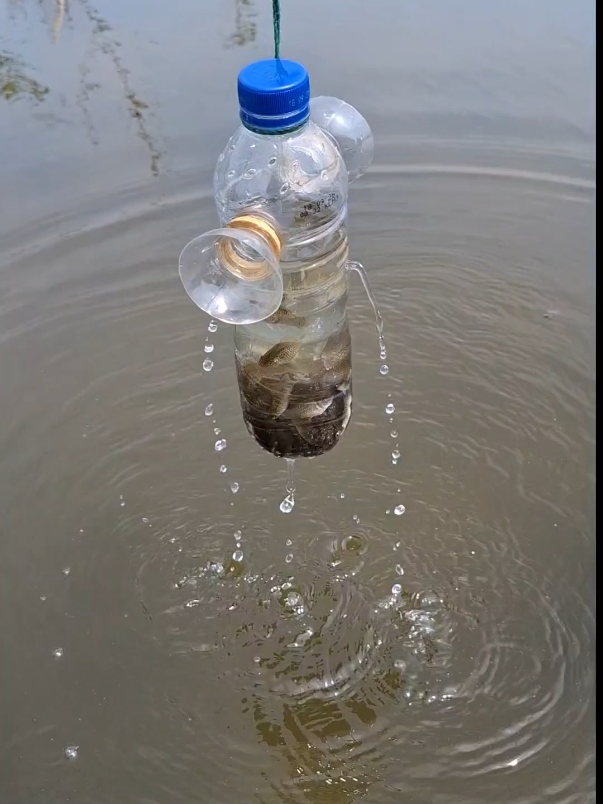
{"type": "Point", "coordinates": [419, 628]}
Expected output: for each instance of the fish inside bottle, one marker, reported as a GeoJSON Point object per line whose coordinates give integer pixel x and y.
{"type": "Point", "coordinates": [295, 369]}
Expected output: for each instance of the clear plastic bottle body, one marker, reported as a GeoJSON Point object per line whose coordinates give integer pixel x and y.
{"type": "Point", "coordinates": [297, 179]}
{"type": "Point", "coordinates": [295, 369]}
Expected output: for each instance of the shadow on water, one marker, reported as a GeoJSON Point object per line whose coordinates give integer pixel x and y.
{"type": "Point", "coordinates": [421, 626]}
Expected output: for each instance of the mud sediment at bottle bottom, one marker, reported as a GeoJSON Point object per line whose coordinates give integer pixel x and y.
{"type": "Point", "coordinates": [294, 435]}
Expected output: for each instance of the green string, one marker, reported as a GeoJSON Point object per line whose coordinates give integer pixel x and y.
{"type": "Point", "coordinates": [276, 22]}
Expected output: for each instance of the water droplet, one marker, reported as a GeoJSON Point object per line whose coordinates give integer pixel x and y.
{"type": "Point", "coordinates": [223, 469]}
{"type": "Point", "coordinates": [220, 444]}
{"type": "Point", "coordinates": [238, 556]}
{"type": "Point", "coordinates": [384, 369]}
{"type": "Point", "coordinates": [356, 518]}
{"type": "Point", "coordinates": [212, 326]}
{"type": "Point", "coordinates": [287, 505]}
{"type": "Point", "coordinates": [71, 752]}
{"type": "Point", "coordinates": [396, 454]}
{"type": "Point", "coordinates": [58, 653]}
{"type": "Point", "coordinates": [145, 519]}
{"type": "Point", "coordinates": [123, 503]}
{"type": "Point", "coordinates": [209, 410]}
{"type": "Point", "coordinates": [272, 160]}
{"type": "Point", "coordinates": [383, 354]}
{"type": "Point", "coordinates": [396, 589]}
{"type": "Point", "coordinates": [237, 534]}
{"type": "Point", "coordinates": [217, 431]}
{"type": "Point", "coordinates": [42, 598]}
{"type": "Point", "coordinates": [66, 570]}
{"type": "Point", "coordinates": [234, 487]}
{"type": "Point", "coordinates": [342, 496]}
{"type": "Point", "coordinates": [285, 188]}
{"type": "Point", "coordinates": [289, 558]}
{"type": "Point", "coordinates": [390, 408]}
{"type": "Point", "coordinates": [208, 364]}
{"type": "Point", "coordinates": [394, 434]}
{"type": "Point", "coordinates": [399, 569]}
{"type": "Point", "coordinates": [399, 510]}
{"type": "Point", "coordinates": [208, 348]}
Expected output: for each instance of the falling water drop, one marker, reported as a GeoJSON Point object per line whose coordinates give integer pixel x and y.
{"type": "Point", "coordinates": [234, 487]}
{"type": "Point", "coordinates": [289, 558]}
{"type": "Point", "coordinates": [395, 455]}
{"type": "Point", "coordinates": [238, 556]}
{"type": "Point", "coordinates": [384, 369]}
{"type": "Point", "coordinates": [394, 434]}
{"type": "Point", "coordinates": [208, 348]}
{"type": "Point", "coordinates": [71, 752]}
{"type": "Point", "coordinates": [217, 431]}
{"type": "Point", "coordinates": [399, 510]}
{"type": "Point", "coordinates": [212, 326]}
{"type": "Point", "coordinates": [209, 410]}
{"type": "Point", "coordinates": [399, 569]}
{"type": "Point", "coordinates": [220, 444]}
{"type": "Point", "coordinates": [390, 408]}
{"type": "Point", "coordinates": [287, 505]}
{"type": "Point", "coordinates": [396, 589]}
{"type": "Point", "coordinates": [58, 653]}
{"type": "Point", "coordinates": [208, 364]}
{"type": "Point", "coordinates": [66, 570]}
{"type": "Point", "coordinates": [223, 469]}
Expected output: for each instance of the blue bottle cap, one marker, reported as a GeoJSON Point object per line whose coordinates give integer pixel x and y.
{"type": "Point", "coordinates": [274, 95]}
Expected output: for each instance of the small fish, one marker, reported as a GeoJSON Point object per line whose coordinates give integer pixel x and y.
{"type": "Point", "coordinates": [309, 410]}
{"type": "Point", "coordinates": [281, 352]}
{"type": "Point", "coordinates": [280, 399]}
{"type": "Point", "coordinates": [284, 316]}
{"type": "Point", "coordinates": [337, 354]}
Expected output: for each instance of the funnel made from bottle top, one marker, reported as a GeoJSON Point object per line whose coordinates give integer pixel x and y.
{"type": "Point", "coordinates": [233, 273]}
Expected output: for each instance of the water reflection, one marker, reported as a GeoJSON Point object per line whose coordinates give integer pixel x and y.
{"type": "Point", "coordinates": [245, 26]}
{"type": "Point", "coordinates": [15, 83]}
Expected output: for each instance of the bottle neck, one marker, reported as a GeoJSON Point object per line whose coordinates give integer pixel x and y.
{"type": "Point", "coordinates": [285, 132]}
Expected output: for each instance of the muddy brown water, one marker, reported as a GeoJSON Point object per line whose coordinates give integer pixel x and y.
{"type": "Point", "coordinates": [420, 628]}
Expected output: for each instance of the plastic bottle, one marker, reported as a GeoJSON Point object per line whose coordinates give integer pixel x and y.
{"type": "Point", "coordinates": [277, 267]}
